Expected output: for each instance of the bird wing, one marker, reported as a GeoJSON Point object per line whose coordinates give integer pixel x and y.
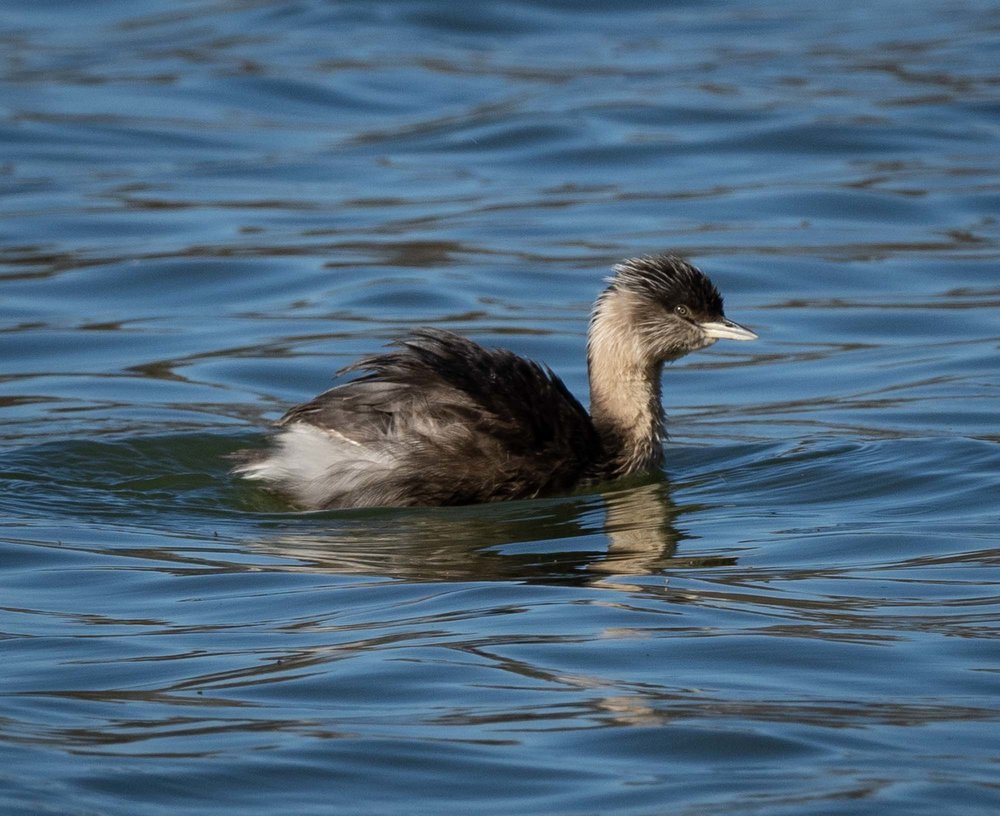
{"type": "Point", "coordinates": [464, 423]}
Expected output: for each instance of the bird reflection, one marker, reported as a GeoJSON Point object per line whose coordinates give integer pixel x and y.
{"type": "Point", "coordinates": [597, 540]}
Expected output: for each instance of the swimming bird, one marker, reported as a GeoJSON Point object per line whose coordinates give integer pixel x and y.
{"type": "Point", "coordinates": [441, 420]}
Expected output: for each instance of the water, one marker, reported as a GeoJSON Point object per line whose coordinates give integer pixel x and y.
{"type": "Point", "coordinates": [208, 206]}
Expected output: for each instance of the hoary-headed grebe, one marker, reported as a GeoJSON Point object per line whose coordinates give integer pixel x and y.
{"type": "Point", "coordinates": [443, 421]}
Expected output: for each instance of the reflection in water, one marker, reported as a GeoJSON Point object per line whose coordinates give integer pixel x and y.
{"type": "Point", "coordinates": [575, 540]}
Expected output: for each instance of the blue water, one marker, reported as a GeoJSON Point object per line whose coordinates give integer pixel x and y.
{"type": "Point", "coordinates": [206, 207]}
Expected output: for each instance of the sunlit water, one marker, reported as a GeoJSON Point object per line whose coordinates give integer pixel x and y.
{"type": "Point", "coordinates": [207, 207]}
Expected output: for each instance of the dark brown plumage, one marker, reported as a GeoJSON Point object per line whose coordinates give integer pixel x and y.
{"type": "Point", "coordinates": [441, 420]}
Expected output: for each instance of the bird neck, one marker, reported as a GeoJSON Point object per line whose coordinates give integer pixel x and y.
{"type": "Point", "coordinates": [624, 391]}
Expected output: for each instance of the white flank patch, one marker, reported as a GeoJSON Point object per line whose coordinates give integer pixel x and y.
{"type": "Point", "coordinates": [319, 465]}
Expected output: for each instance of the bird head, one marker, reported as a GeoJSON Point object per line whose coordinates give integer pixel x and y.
{"type": "Point", "coordinates": [672, 308]}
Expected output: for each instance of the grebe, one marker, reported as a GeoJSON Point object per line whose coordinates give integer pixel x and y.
{"type": "Point", "coordinates": [444, 421]}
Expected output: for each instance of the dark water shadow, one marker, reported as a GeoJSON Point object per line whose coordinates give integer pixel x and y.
{"type": "Point", "coordinates": [178, 486]}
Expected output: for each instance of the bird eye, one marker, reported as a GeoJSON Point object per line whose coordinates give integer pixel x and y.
{"type": "Point", "coordinates": [682, 311]}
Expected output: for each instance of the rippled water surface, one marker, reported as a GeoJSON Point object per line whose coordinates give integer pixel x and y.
{"type": "Point", "coordinates": [208, 206]}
